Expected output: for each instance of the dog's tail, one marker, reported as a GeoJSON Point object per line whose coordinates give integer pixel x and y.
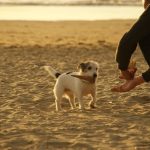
{"type": "Point", "coordinates": [52, 72]}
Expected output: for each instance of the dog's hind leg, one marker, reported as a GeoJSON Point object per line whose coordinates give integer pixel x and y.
{"type": "Point", "coordinates": [58, 97]}
{"type": "Point", "coordinates": [72, 101]}
{"type": "Point", "coordinates": [58, 104]}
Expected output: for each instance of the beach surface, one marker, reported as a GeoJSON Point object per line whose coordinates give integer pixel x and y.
{"type": "Point", "coordinates": [28, 119]}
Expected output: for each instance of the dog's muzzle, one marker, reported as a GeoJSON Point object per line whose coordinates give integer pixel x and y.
{"type": "Point", "coordinates": [94, 75]}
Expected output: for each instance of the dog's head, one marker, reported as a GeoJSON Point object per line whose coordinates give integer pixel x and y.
{"type": "Point", "coordinates": [89, 68]}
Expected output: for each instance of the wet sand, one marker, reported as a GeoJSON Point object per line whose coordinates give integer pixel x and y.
{"type": "Point", "coordinates": [27, 110]}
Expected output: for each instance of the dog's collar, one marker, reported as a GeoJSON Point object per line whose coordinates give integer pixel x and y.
{"type": "Point", "coordinates": [88, 82]}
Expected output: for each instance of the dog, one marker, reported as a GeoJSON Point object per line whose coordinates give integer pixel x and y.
{"type": "Point", "coordinates": [71, 86]}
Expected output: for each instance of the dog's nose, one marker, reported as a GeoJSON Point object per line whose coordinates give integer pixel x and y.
{"type": "Point", "coordinates": [94, 75]}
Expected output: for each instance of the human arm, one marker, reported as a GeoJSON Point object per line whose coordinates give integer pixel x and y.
{"type": "Point", "coordinates": [130, 40]}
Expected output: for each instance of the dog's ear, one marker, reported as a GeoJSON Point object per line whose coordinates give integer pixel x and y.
{"type": "Point", "coordinates": [82, 66]}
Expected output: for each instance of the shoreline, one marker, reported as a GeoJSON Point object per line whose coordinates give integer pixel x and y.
{"type": "Point", "coordinates": [41, 4]}
{"type": "Point", "coordinates": [56, 13]}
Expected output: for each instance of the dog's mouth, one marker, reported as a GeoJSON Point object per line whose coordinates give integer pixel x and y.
{"type": "Point", "coordinates": [94, 79]}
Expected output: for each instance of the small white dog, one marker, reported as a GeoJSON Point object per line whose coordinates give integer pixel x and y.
{"type": "Point", "coordinates": [72, 87]}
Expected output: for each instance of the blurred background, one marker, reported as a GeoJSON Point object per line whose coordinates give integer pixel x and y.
{"type": "Point", "coordinates": [60, 10]}
{"type": "Point", "coordinates": [73, 2]}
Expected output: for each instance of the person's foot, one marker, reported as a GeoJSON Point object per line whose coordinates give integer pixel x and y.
{"type": "Point", "coordinates": [128, 85]}
{"type": "Point", "coordinates": [129, 74]}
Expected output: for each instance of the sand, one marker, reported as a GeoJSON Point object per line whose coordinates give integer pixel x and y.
{"type": "Point", "coordinates": [27, 111]}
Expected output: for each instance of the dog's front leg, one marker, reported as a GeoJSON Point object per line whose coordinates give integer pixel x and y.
{"type": "Point", "coordinates": [81, 106]}
{"type": "Point", "coordinates": [93, 101]}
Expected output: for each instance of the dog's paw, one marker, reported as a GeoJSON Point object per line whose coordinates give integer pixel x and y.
{"type": "Point", "coordinates": [59, 109]}
{"type": "Point", "coordinates": [82, 109]}
{"type": "Point", "coordinates": [92, 106]}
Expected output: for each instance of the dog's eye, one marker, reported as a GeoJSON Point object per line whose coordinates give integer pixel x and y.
{"type": "Point", "coordinates": [96, 69]}
{"type": "Point", "coordinates": [89, 68]}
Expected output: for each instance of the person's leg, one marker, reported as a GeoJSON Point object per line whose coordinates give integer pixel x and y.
{"type": "Point", "coordinates": [145, 48]}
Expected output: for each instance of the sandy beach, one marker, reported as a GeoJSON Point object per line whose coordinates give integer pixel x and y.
{"type": "Point", "coordinates": [28, 119]}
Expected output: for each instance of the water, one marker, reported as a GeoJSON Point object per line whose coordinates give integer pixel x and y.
{"type": "Point", "coordinates": [76, 2]}
{"type": "Point", "coordinates": [60, 13]}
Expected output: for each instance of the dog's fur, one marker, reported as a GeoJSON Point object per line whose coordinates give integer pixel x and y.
{"type": "Point", "coordinates": [73, 87]}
